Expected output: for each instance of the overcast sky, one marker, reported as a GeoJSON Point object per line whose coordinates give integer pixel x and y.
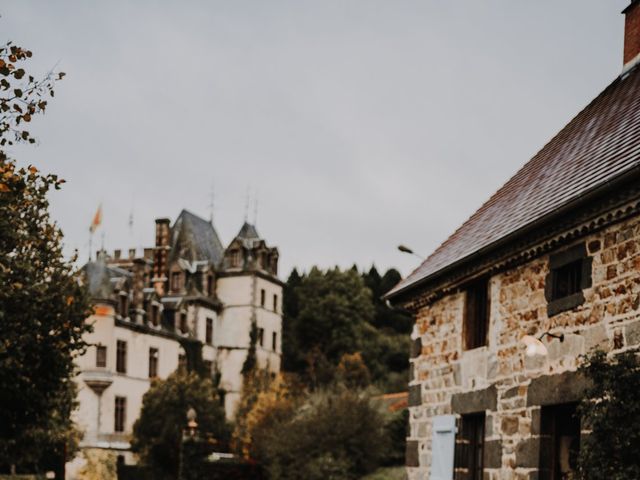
{"type": "Point", "coordinates": [361, 124]}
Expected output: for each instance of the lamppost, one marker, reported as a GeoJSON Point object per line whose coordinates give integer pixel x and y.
{"type": "Point", "coordinates": [188, 433]}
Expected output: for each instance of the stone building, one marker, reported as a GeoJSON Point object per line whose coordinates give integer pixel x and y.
{"type": "Point", "coordinates": [156, 311]}
{"type": "Point", "coordinates": [553, 255]}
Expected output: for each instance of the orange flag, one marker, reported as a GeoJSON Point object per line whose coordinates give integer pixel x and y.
{"type": "Point", "coordinates": [97, 219]}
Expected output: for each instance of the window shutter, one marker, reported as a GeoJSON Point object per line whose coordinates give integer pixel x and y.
{"type": "Point", "coordinates": [442, 447]}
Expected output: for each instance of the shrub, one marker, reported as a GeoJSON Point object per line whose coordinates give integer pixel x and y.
{"type": "Point", "coordinates": [611, 410]}
{"type": "Point", "coordinates": [335, 434]}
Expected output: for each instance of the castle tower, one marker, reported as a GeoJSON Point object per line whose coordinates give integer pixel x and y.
{"type": "Point", "coordinates": [251, 292]}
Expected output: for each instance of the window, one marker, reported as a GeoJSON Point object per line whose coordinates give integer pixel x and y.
{"type": "Point", "coordinates": [176, 281]}
{"type": "Point", "coordinates": [209, 331]}
{"type": "Point", "coordinates": [569, 274]}
{"type": "Point", "coordinates": [261, 336]}
{"type": "Point", "coordinates": [208, 367]}
{"type": "Point", "coordinates": [234, 258]}
{"type": "Point", "coordinates": [469, 452]}
{"type": "Point", "coordinates": [153, 362]}
{"type": "Point", "coordinates": [121, 356]}
{"type": "Point", "coordinates": [567, 280]}
{"type": "Point", "coordinates": [155, 314]}
{"type": "Point", "coordinates": [182, 321]}
{"type": "Point", "coordinates": [476, 314]}
{"type": "Point", "coordinates": [101, 356]}
{"type": "Point", "coordinates": [263, 297]}
{"type": "Point", "coordinates": [182, 363]}
{"type": "Point", "coordinates": [210, 285]}
{"type": "Point", "coordinates": [559, 441]}
{"type": "Point", "coordinates": [120, 414]}
{"type": "Point", "coordinates": [275, 303]}
{"type": "Point", "coordinates": [124, 305]}
{"type": "Point", "coordinates": [274, 341]}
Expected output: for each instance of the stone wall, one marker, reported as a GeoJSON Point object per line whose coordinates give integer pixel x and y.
{"type": "Point", "coordinates": [498, 378]}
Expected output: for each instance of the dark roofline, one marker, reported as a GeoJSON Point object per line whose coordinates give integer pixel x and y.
{"type": "Point", "coordinates": [628, 7]}
{"type": "Point", "coordinates": [581, 199]}
{"type": "Point", "coordinates": [258, 273]}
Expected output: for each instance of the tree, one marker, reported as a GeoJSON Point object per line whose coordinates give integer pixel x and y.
{"type": "Point", "coordinates": [43, 306]}
{"type": "Point", "coordinates": [352, 371]}
{"type": "Point", "coordinates": [611, 410]}
{"type": "Point", "coordinates": [21, 95]}
{"type": "Point", "coordinates": [334, 434]}
{"type": "Point", "coordinates": [157, 434]}
{"type": "Point", "coordinates": [264, 398]}
{"type": "Point", "coordinates": [328, 314]}
{"type": "Point", "coordinates": [334, 313]}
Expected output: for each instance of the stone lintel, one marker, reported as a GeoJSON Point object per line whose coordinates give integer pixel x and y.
{"type": "Point", "coordinates": [556, 389]}
{"type": "Point", "coordinates": [475, 401]}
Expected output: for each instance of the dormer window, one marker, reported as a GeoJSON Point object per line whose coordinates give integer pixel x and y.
{"type": "Point", "coordinates": [176, 281]}
{"type": "Point", "coordinates": [234, 258]}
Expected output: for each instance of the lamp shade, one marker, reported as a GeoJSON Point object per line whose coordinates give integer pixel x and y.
{"type": "Point", "coordinates": [534, 346]}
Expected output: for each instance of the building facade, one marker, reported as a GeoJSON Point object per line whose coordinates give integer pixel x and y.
{"type": "Point", "coordinates": [554, 255]}
{"type": "Point", "coordinates": [188, 302]}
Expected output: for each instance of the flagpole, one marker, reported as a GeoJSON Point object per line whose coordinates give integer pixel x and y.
{"type": "Point", "coordinates": [90, 243]}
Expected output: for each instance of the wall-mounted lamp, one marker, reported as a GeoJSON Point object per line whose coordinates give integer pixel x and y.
{"type": "Point", "coordinates": [405, 249]}
{"type": "Point", "coordinates": [534, 345]}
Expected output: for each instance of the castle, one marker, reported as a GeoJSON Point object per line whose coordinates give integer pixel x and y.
{"type": "Point", "coordinates": [188, 299]}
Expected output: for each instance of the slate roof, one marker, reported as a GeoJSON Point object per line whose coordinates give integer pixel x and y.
{"type": "Point", "coordinates": [601, 143]}
{"type": "Point", "coordinates": [101, 278]}
{"type": "Point", "coordinates": [248, 232]}
{"type": "Point", "coordinates": [195, 239]}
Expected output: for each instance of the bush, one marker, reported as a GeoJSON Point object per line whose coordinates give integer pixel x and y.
{"type": "Point", "coordinates": [611, 410]}
{"type": "Point", "coordinates": [335, 434]}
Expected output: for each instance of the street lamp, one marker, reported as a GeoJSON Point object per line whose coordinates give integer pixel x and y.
{"type": "Point", "coordinates": [534, 345]}
{"type": "Point", "coordinates": [191, 421]}
{"type": "Point", "coordinates": [405, 249]}
{"type": "Point", "coordinates": [188, 434]}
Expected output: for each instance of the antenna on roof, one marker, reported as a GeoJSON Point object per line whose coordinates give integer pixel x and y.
{"type": "Point", "coordinates": [255, 207]}
{"type": "Point", "coordinates": [211, 203]}
{"type": "Point", "coordinates": [130, 222]}
{"type": "Point", "coordinates": [246, 205]}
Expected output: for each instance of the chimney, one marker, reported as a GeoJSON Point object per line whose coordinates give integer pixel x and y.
{"type": "Point", "coordinates": [161, 254]}
{"type": "Point", "coordinates": [139, 269]}
{"type": "Point", "coordinates": [631, 31]}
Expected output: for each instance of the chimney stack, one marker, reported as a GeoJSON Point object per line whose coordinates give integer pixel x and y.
{"type": "Point", "coordinates": [631, 31]}
{"type": "Point", "coordinates": [161, 253]}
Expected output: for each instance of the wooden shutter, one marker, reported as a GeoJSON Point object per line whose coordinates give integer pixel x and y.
{"type": "Point", "coordinates": [442, 447]}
